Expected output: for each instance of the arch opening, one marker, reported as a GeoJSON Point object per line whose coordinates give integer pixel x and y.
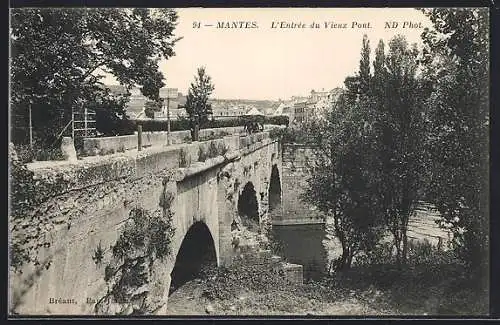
{"type": "Point", "coordinates": [248, 207]}
{"type": "Point", "coordinates": [274, 193]}
{"type": "Point", "coordinates": [197, 252]}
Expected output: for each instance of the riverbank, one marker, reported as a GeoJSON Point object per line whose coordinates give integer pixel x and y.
{"type": "Point", "coordinates": [377, 290]}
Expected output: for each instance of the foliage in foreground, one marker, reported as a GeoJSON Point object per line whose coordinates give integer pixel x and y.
{"type": "Point", "coordinates": [26, 194]}
{"type": "Point", "coordinates": [458, 180]}
{"type": "Point", "coordinates": [433, 282]}
{"type": "Point", "coordinates": [58, 56]}
{"type": "Point", "coordinates": [416, 129]}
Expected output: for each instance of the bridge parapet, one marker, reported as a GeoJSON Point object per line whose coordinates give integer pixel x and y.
{"type": "Point", "coordinates": [91, 171]}
{"type": "Point", "coordinates": [110, 145]}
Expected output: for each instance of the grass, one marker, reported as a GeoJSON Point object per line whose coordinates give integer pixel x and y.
{"type": "Point", "coordinates": [433, 282]}
{"type": "Point", "coordinates": [440, 285]}
{"type": "Point", "coordinates": [418, 289]}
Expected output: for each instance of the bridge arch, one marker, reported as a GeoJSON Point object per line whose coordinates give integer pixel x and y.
{"type": "Point", "coordinates": [196, 252]}
{"type": "Point", "coordinates": [248, 207]}
{"type": "Point", "coordinates": [274, 192]}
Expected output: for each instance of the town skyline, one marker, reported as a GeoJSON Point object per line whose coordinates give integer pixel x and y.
{"type": "Point", "coordinates": [278, 63]}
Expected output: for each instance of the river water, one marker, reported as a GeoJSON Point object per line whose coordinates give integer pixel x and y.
{"type": "Point", "coordinates": [303, 244]}
{"type": "Point", "coordinates": [315, 246]}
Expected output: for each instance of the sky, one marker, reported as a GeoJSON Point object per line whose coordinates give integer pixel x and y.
{"type": "Point", "coordinates": [277, 63]}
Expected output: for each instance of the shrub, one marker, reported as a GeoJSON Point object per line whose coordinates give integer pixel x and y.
{"type": "Point", "coordinates": [49, 154]}
{"type": "Point", "coordinates": [26, 154]}
{"type": "Point", "coordinates": [202, 154]}
{"type": "Point", "coordinates": [26, 194]}
{"type": "Point", "coordinates": [183, 158]}
{"type": "Point", "coordinates": [223, 149]}
{"type": "Point", "coordinates": [130, 126]}
{"type": "Point", "coordinates": [227, 283]}
{"type": "Point", "coordinates": [160, 125]}
{"type": "Point", "coordinates": [121, 148]}
{"type": "Point", "coordinates": [381, 254]}
{"type": "Point", "coordinates": [213, 150]}
{"type": "Point", "coordinates": [146, 237]}
{"type": "Point", "coordinates": [290, 135]}
{"type": "Point", "coordinates": [109, 124]}
{"type": "Point", "coordinates": [278, 120]}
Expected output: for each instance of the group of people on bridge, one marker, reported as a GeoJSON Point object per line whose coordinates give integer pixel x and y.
{"type": "Point", "coordinates": [253, 127]}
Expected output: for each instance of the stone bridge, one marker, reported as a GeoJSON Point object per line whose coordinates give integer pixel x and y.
{"type": "Point", "coordinates": [209, 184]}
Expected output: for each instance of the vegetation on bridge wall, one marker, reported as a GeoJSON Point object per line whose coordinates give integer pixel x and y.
{"type": "Point", "coordinates": [26, 195]}
{"type": "Point", "coordinates": [145, 239]}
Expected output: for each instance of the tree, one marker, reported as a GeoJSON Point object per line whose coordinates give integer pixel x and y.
{"type": "Point", "coordinates": [150, 107]}
{"type": "Point", "coordinates": [346, 176]}
{"type": "Point", "coordinates": [457, 57]}
{"type": "Point", "coordinates": [364, 66]}
{"type": "Point", "coordinates": [58, 56]}
{"type": "Point", "coordinates": [344, 181]}
{"type": "Point", "coordinates": [399, 98]}
{"type": "Point", "coordinates": [377, 82]}
{"type": "Point", "coordinates": [197, 106]}
{"type": "Point", "coordinates": [370, 175]}
{"type": "Point", "coordinates": [359, 84]}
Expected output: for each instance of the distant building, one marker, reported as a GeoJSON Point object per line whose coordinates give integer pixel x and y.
{"type": "Point", "coordinates": [318, 95]}
{"type": "Point", "coordinates": [334, 94]}
{"type": "Point", "coordinates": [315, 106]}
{"type": "Point", "coordinates": [299, 112]}
{"type": "Point", "coordinates": [224, 109]}
{"type": "Point", "coordinates": [137, 101]}
{"type": "Point", "coordinates": [285, 108]}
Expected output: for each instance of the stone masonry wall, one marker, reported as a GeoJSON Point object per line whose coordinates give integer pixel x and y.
{"type": "Point", "coordinates": [296, 159]}
{"type": "Point", "coordinates": [109, 145]}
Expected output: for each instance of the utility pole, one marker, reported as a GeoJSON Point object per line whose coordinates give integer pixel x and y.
{"type": "Point", "coordinates": [139, 137]}
{"type": "Point", "coordinates": [30, 126]}
{"type": "Point", "coordinates": [85, 121]}
{"type": "Point", "coordinates": [72, 121]}
{"type": "Point", "coordinates": [171, 94]}
{"type": "Point", "coordinates": [168, 119]}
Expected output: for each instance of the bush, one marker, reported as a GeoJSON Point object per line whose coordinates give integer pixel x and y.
{"type": "Point", "coordinates": [26, 154]}
{"type": "Point", "coordinates": [108, 123]}
{"type": "Point", "coordinates": [380, 255]}
{"type": "Point", "coordinates": [290, 135]}
{"type": "Point", "coordinates": [278, 120]}
{"type": "Point", "coordinates": [26, 194]}
{"type": "Point", "coordinates": [183, 158]}
{"type": "Point", "coordinates": [202, 154]}
{"type": "Point", "coordinates": [227, 283]}
{"type": "Point", "coordinates": [125, 127]}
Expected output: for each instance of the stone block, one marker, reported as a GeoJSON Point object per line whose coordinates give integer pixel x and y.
{"type": "Point", "coordinates": [68, 149]}
{"type": "Point", "coordinates": [265, 254]}
{"type": "Point", "coordinates": [294, 273]}
{"type": "Point", "coordinates": [275, 259]}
